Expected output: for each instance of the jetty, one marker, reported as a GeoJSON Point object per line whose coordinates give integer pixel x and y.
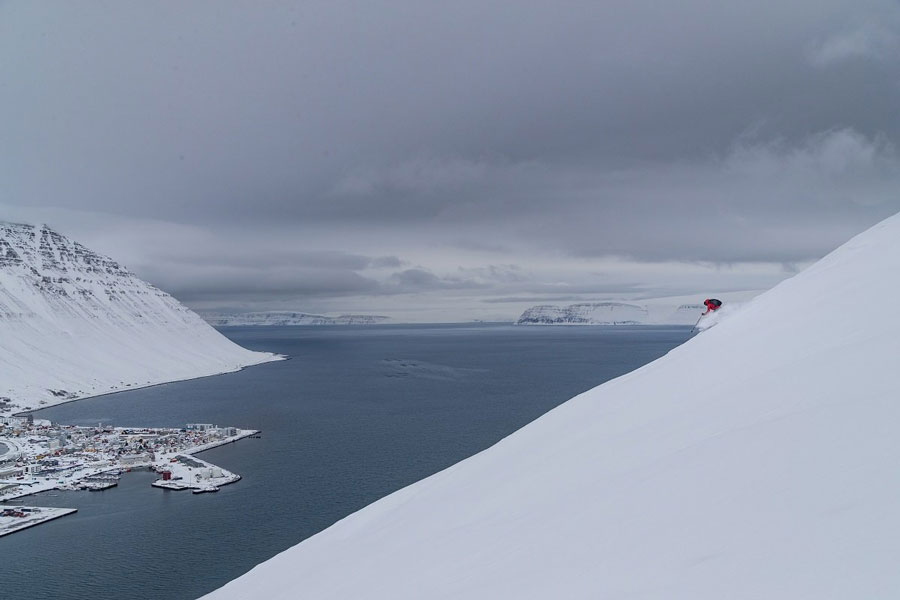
{"type": "Point", "coordinates": [191, 473]}
{"type": "Point", "coordinates": [17, 518]}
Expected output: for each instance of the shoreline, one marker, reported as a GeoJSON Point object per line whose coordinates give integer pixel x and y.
{"type": "Point", "coordinates": [42, 514]}
{"type": "Point", "coordinates": [244, 433]}
{"type": "Point", "coordinates": [27, 411]}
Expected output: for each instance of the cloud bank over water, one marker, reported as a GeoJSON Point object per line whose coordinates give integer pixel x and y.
{"type": "Point", "coordinates": [455, 161]}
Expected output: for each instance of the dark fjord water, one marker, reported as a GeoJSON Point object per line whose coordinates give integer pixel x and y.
{"type": "Point", "coordinates": [358, 412]}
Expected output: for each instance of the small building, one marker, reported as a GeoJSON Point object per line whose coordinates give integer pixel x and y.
{"type": "Point", "coordinates": [10, 472]}
{"type": "Point", "coordinates": [199, 426]}
{"type": "Point", "coordinates": [133, 459]}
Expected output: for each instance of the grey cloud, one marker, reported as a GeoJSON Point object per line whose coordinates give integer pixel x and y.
{"type": "Point", "coordinates": [230, 285]}
{"type": "Point", "coordinates": [265, 114]}
{"type": "Point", "coordinates": [416, 278]}
{"type": "Point", "coordinates": [411, 280]}
{"type": "Point", "coordinates": [478, 245]}
{"type": "Point", "coordinates": [240, 257]}
{"type": "Point", "coordinates": [384, 262]}
{"type": "Point", "coordinates": [537, 299]}
{"type": "Point", "coordinates": [243, 149]}
{"type": "Point", "coordinates": [870, 41]}
{"type": "Point", "coordinates": [496, 274]}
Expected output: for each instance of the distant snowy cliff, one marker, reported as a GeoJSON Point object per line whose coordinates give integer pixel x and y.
{"type": "Point", "coordinates": [757, 460]}
{"type": "Point", "coordinates": [655, 312]}
{"type": "Point", "coordinates": [74, 323]}
{"type": "Point", "coordinates": [595, 313]}
{"type": "Point", "coordinates": [218, 319]}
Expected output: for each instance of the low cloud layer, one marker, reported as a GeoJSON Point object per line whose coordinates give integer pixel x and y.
{"type": "Point", "coordinates": [451, 162]}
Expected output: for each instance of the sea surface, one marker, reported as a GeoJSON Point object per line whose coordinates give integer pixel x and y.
{"type": "Point", "coordinates": [355, 414]}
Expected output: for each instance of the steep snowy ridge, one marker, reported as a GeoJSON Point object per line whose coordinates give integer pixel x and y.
{"type": "Point", "coordinates": [757, 460]}
{"type": "Point", "coordinates": [74, 323]}
{"type": "Point", "coordinates": [283, 318]}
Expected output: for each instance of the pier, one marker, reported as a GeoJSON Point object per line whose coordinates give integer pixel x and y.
{"type": "Point", "coordinates": [17, 518]}
{"type": "Point", "coordinates": [191, 473]}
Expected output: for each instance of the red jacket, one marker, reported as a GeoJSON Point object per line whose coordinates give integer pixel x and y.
{"type": "Point", "coordinates": [711, 305]}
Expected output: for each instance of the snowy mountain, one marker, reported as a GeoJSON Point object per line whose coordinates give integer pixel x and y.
{"type": "Point", "coordinates": [757, 460]}
{"type": "Point", "coordinates": [74, 323]}
{"type": "Point", "coordinates": [218, 319]}
{"type": "Point", "coordinates": [675, 310]}
{"type": "Point", "coordinates": [593, 313]}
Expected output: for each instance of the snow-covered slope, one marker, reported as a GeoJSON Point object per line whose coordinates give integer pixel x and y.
{"type": "Point", "coordinates": [74, 323]}
{"type": "Point", "coordinates": [761, 459]}
{"type": "Point", "coordinates": [219, 319]}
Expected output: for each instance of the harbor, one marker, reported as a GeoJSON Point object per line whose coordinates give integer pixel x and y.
{"type": "Point", "coordinates": [37, 456]}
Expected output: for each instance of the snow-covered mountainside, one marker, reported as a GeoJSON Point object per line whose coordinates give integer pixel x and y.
{"type": "Point", "coordinates": [218, 319]}
{"type": "Point", "coordinates": [757, 460]}
{"type": "Point", "coordinates": [74, 323]}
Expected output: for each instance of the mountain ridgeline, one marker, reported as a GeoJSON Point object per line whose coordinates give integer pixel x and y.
{"type": "Point", "coordinates": [75, 323]}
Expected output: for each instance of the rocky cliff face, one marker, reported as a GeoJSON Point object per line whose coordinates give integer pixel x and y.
{"type": "Point", "coordinates": [75, 323]}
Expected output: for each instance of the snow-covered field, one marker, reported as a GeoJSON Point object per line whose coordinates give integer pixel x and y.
{"type": "Point", "coordinates": [758, 460]}
{"type": "Point", "coordinates": [74, 323]}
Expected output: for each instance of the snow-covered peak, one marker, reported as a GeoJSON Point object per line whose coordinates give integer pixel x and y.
{"type": "Point", "coordinates": [43, 250]}
{"type": "Point", "coordinates": [60, 274]}
{"type": "Point", "coordinates": [757, 460]}
{"type": "Point", "coordinates": [75, 323]}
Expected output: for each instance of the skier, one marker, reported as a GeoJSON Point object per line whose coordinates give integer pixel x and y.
{"type": "Point", "coordinates": [711, 305]}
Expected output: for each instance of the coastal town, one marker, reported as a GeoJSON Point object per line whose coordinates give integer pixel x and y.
{"type": "Point", "coordinates": [37, 455]}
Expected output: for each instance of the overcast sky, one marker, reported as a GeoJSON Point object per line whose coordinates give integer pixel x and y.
{"type": "Point", "coordinates": [450, 160]}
